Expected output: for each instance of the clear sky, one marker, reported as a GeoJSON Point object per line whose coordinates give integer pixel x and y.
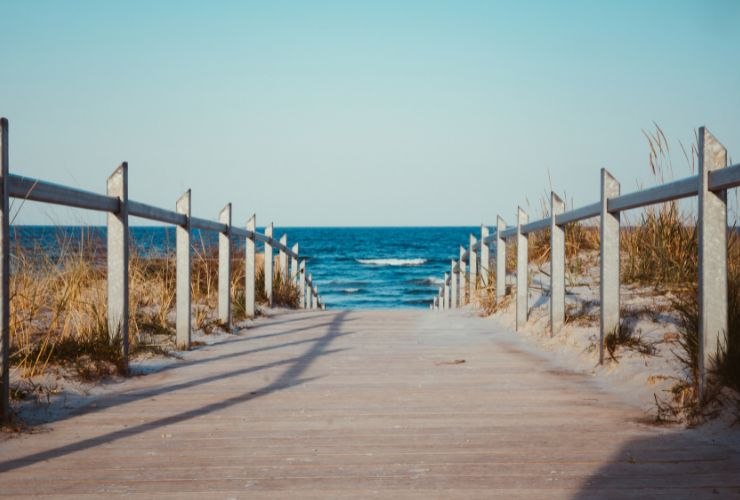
{"type": "Point", "coordinates": [341, 113]}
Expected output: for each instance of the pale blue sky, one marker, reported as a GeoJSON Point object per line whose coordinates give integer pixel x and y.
{"type": "Point", "coordinates": [335, 113]}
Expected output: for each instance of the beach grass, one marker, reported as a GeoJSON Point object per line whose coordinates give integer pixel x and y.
{"type": "Point", "coordinates": [658, 254]}
{"type": "Point", "coordinates": [58, 306]}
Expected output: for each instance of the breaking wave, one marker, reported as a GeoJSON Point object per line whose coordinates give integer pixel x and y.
{"type": "Point", "coordinates": [392, 262]}
{"type": "Point", "coordinates": [431, 280]}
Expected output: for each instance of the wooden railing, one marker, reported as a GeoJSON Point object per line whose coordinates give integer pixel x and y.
{"type": "Point", "coordinates": [120, 209]}
{"type": "Point", "coordinates": [710, 185]}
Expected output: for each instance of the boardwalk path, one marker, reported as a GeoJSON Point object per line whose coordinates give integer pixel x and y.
{"type": "Point", "coordinates": [364, 403]}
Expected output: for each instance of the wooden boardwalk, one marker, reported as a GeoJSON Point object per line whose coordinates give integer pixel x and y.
{"type": "Point", "coordinates": [364, 404]}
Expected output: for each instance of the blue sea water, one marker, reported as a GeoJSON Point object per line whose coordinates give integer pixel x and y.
{"type": "Point", "coordinates": [354, 267]}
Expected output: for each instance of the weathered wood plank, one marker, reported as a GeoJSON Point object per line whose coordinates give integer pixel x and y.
{"type": "Point", "coordinates": [358, 404]}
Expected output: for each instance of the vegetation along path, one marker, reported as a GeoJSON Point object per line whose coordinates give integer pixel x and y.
{"type": "Point", "coordinates": [362, 403]}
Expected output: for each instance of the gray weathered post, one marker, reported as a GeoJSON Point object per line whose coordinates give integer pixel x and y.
{"type": "Point", "coordinates": [462, 283]}
{"type": "Point", "coordinates": [224, 268]}
{"type": "Point", "coordinates": [435, 303]}
{"type": "Point", "coordinates": [447, 291]}
{"type": "Point", "coordinates": [182, 280]}
{"type": "Point", "coordinates": [453, 285]}
{"type": "Point", "coordinates": [500, 259]}
{"type": "Point", "coordinates": [557, 266]}
{"type": "Point", "coordinates": [294, 264]}
{"type": "Point", "coordinates": [485, 256]}
{"type": "Point", "coordinates": [315, 297]}
{"type": "Point", "coordinates": [4, 274]}
{"type": "Point", "coordinates": [309, 297]}
{"type": "Point", "coordinates": [250, 268]}
{"type": "Point", "coordinates": [117, 259]}
{"type": "Point", "coordinates": [268, 264]}
{"type": "Point", "coordinates": [283, 257]}
{"type": "Point", "coordinates": [308, 290]}
{"type": "Point", "coordinates": [302, 284]}
{"type": "Point", "coordinates": [713, 322]}
{"type": "Point", "coordinates": [522, 269]}
{"type": "Point", "coordinates": [473, 271]}
{"type": "Point", "coordinates": [609, 269]}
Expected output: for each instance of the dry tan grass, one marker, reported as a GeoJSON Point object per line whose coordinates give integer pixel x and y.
{"type": "Point", "coordinates": [659, 250]}
{"type": "Point", "coordinates": [58, 306]}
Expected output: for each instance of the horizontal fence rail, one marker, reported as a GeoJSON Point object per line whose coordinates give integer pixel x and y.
{"type": "Point", "coordinates": [709, 185]}
{"type": "Point", "coordinates": [120, 209]}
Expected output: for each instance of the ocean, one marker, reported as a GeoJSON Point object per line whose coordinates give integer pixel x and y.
{"type": "Point", "coordinates": [354, 267]}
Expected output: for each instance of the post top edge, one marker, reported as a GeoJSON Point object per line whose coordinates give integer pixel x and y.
{"type": "Point", "coordinates": [121, 168]}
{"type": "Point", "coordinates": [606, 175]}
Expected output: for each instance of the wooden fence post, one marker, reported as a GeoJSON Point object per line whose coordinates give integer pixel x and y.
{"type": "Point", "coordinates": [4, 274]}
{"type": "Point", "coordinates": [557, 266]}
{"type": "Point", "coordinates": [462, 278]}
{"type": "Point", "coordinates": [283, 257]}
{"type": "Point", "coordinates": [224, 269]}
{"type": "Point", "coordinates": [473, 269]}
{"type": "Point", "coordinates": [268, 265]}
{"type": "Point", "coordinates": [713, 316]}
{"type": "Point", "coordinates": [522, 270]}
{"type": "Point", "coordinates": [250, 268]}
{"type": "Point", "coordinates": [117, 260]}
{"type": "Point", "coordinates": [302, 284]}
{"type": "Point", "coordinates": [182, 286]}
{"type": "Point", "coordinates": [485, 257]}
{"type": "Point", "coordinates": [446, 292]}
{"type": "Point", "coordinates": [609, 269]}
{"type": "Point", "coordinates": [453, 285]}
{"type": "Point", "coordinates": [309, 291]}
{"type": "Point", "coordinates": [500, 259]}
{"type": "Point", "coordinates": [294, 265]}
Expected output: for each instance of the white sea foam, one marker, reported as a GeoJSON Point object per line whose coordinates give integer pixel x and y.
{"type": "Point", "coordinates": [433, 280]}
{"type": "Point", "coordinates": [351, 290]}
{"type": "Point", "coordinates": [392, 262]}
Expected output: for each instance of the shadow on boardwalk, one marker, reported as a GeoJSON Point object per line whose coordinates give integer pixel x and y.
{"type": "Point", "coordinates": [672, 465]}
{"type": "Point", "coordinates": [291, 377]}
